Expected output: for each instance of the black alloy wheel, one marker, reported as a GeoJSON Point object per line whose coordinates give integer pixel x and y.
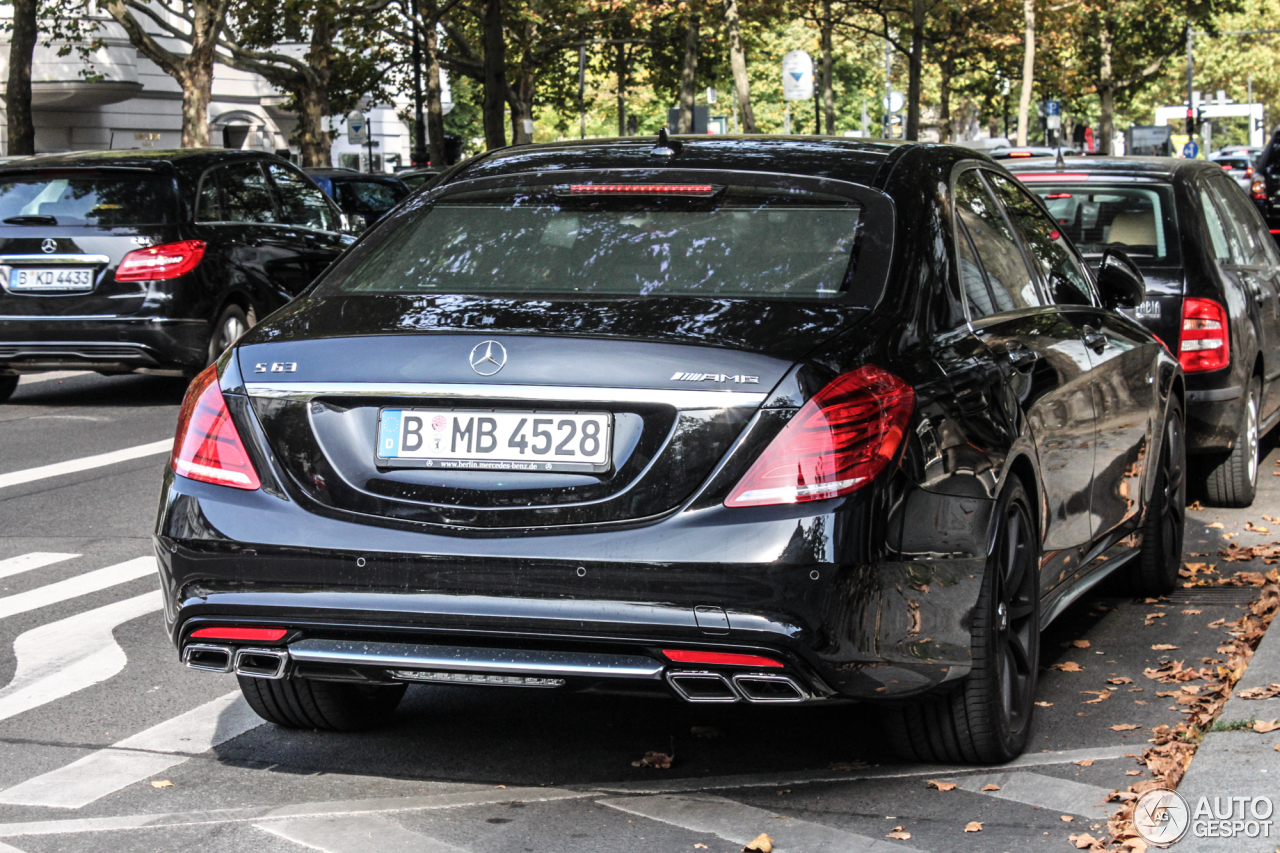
{"type": "Point", "coordinates": [1156, 568]}
{"type": "Point", "coordinates": [8, 384]}
{"type": "Point", "coordinates": [987, 718]}
{"type": "Point", "coordinates": [227, 329]}
{"type": "Point", "coordinates": [1233, 480]}
{"type": "Point", "coordinates": [303, 703]}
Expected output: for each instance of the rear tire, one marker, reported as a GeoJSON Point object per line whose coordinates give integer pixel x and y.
{"type": "Point", "coordinates": [233, 322]}
{"type": "Point", "coordinates": [1155, 571]}
{"type": "Point", "coordinates": [987, 718]}
{"type": "Point", "coordinates": [1233, 481]}
{"type": "Point", "coordinates": [7, 386]}
{"type": "Point", "coordinates": [302, 703]}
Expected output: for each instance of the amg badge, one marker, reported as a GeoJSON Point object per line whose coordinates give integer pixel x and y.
{"type": "Point", "coordinates": [716, 377]}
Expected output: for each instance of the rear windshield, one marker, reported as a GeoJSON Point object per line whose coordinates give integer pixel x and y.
{"type": "Point", "coordinates": [1233, 162]}
{"type": "Point", "coordinates": [1140, 217]}
{"type": "Point", "coordinates": [76, 198]}
{"type": "Point", "coordinates": [368, 196]}
{"type": "Point", "coordinates": [721, 241]}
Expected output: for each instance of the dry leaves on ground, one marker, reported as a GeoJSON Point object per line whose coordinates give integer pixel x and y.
{"type": "Point", "coordinates": [943, 786]}
{"type": "Point", "coordinates": [162, 783]}
{"type": "Point", "coordinates": [1083, 841]}
{"type": "Point", "coordinates": [761, 843]}
{"type": "Point", "coordinates": [973, 826]}
{"type": "Point", "coordinates": [1271, 691]}
{"type": "Point", "coordinates": [656, 760]}
{"type": "Point", "coordinates": [1045, 704]}
{"type": "Point", "coordinates": [1256, 528]}
{"type": "Point", "coordinates": [1263, 727]}
{"type": "Point", "coordinates": [1217, 525]}
{"type": "Point", "coordinates": [1080, 644]}
{"type": "Point", "coordinates": [1065, 818]}
{"type": "Point", "coordinates": [1067, 666]}
{"type": "Point", "coordinates": [1084, 762]}
{"type": "Point", "coordinates": [1100, 695]}
{"type": "Point", "coordinates": [1192, 612]}
{"type": "Point", "coordinates": [1124, 727]}
{"type": "Point", "coordinates": [1164, 647]}
{"type": "Point", "coordinates": [700, 846]}
{"type": "Point", "coordinates": [1123, 679]}
{"type": "Point", "coordinates": [989, 788]}
{"type": "Point", "coordinates": [899, 833]}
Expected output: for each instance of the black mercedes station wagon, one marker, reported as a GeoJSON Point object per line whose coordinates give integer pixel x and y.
{"type": "Point", "coordinates": [150, 261]}
{"type": "Point", "coordinates": [761, 420]}
{"type": "Point", "coordinates": [1213, 291]}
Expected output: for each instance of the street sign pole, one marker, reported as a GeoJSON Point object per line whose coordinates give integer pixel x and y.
{"type": "Point", "coordinates": [797, 80]}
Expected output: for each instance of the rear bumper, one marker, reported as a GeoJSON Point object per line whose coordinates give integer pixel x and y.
{"type": "Point", "coordinates": [108, 344]}
{"type": "Point", "coordinates": [1215, 410]}
{"type": "Point", "coordinates": [737, 581]}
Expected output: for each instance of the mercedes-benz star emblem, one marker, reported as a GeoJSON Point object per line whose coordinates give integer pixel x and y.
{"type": "Point", "coordinates": [49, 245]}
{"type": "Point", "coordinates": [488, 357]}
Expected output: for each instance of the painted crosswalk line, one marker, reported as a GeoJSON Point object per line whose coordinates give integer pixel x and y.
{"type": "Point", "coordinates": [79, 585]}
{"type": "Point", "coordinates": [1044, 792]}
{"type": "Point", "coordinates": [740, 824]}
{"type": "Point", "coordinates": [29, 562]}
{"type": "Point", "coordinates": [86, 463]}
{"type": "Point", "coordinates": [63, 657]}
{"type": "Point", "coordinates": [135, 758]}
{"type": "Point", "coordinates": [355, 834]}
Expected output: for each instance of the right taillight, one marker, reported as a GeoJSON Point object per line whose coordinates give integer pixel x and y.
{"type": "Point", "coordinates": [838, 441]}
{"type": "Point", "coordinates": [158, 263]}
{"type": "Point", "coordinates": [1204, 344]}
{"type": "Point", "coordinates": [207, 446]}
{"type": "Point", "coordinates": [1258, 189]}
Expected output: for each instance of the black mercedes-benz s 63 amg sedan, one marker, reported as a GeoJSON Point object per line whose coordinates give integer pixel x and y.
{"type": "Point", "coordinates": [760, 420]}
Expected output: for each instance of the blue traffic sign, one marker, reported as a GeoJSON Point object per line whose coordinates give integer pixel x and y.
{"type": "Point", "coordinates": [1053, 108]}
{"type": "Point", "coordinates": [1191, 151]}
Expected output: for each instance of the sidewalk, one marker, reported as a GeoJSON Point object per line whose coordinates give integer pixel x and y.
{"type": "Point", "coordinates": [1241, 764]}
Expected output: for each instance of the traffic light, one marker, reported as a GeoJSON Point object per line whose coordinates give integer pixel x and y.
{"type": "Point", "coordinates": [1191, 122]}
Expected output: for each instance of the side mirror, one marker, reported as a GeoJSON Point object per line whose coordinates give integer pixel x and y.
{"type": "Point", "coordinates": [1120, 281]}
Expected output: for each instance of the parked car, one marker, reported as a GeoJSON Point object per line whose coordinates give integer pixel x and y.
{"type": "Point", "coordinates": [364, 198]}
{"type": "Point", "coordinates": [1264, 191]}
{"type": "Point", "coordinates": [772, 420]}
{"type": "Point", "coordinates": [150, 262]}
{"type": "Point", "coordinates": [1239, 166]}
{"type": "Point", "coordinates": [1213, 281]}
{"type": "Point", "coordinates": [418, 178]}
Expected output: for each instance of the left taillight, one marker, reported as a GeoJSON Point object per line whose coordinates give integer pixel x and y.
{"type": "Point", "coordinates": [207, 446]}
{"type": "Point", "coordinates": [157, 263]}
{"type": "Point", "coordinates": [838, 442]}
{"type": "Point", "coordinates": [1258, 189]}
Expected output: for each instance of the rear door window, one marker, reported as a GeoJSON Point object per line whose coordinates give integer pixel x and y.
{"type": "Point", "coordinates": [1222, 239]}
{"type": "Point", "coordinates": [301, 203]}
{"type": "Point", "coordinates": [75, 197]}
{"type": "Point", "coordinates": [245, 194]}
{"type": "Point", "coordinates": [1068, 281]}
{"type": "Point", "coordinates": [1242, 219]}
{"type": "Point", "coordinates": [1011, 283]}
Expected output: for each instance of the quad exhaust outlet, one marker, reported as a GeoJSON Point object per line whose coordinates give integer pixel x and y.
{"type": "Point", "coordinates": [756, 687]}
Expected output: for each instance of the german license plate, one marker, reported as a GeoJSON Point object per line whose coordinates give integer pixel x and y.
{"type": "Point", "coordinates": [489, 441]}
{"type": "Point", "coordinates": [50, 278]}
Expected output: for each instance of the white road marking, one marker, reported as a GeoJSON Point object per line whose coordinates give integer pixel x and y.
{"type": "Point", "coordinates": [355, 834]}
{"type": "Point", "coordinates": [43, 596]}
{"type": "Point", "coordinates": [133, 759]}
{"type": "Point", "coordinates": [739, 824]}
{"type": "Point", "coordinates": [1044, 792]}
{"type": "Point", "coordinates": [86, 463]}
{"type": "Point", "coordinates": [62, 657]}
{"type": "Point", "coordinates": [783, 779]}
{"type": "Point", "coordinates": [27, 562]}
{"type": "Point", "coordinates": [475, 795]}
{"type": "Point", "coordinates": [8, 848]}
{"type": "Point", "coordinates": [33, 378]}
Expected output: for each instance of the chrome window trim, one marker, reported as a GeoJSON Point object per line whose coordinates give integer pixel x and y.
{"type": "Point", "coordinates": [679, 399]}
{"type": "Point", "coordinates": [56, 259]}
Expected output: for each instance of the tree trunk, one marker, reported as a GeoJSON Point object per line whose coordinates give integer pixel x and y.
{"type": "Point", "coordinates": [738, 63]}
{"type": "Point", "coordinates": [435, 109]}
{"type": "Point", "coordinates": [688, 78]}
{"type": "Point", "coordinates": [1106, 92]}
{"type": "Point", "coordinates": [22, 44]}
{"type": "Point", "coordinates": [945, 72]}
{"type": "Point", "coordinates": [622, 89]}
{"type": "Point", "coordinates": [828, 90]}
{"type": "Point", "coordinates": [197, 91]}
{"type": "Point", "coordinates": [313, 95]}
{"type": "Point", "coordinates": [914, 69]}
{"type": "Point", "coordinates": [521, 100]}
{"type": "Point", "coordinates": [1028, 69]}
{"type": "Point", "coordinates": [495, 76]}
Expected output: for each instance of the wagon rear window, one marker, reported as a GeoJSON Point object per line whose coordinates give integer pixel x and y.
{"type": "Point", "coordinates": [79, 198]}
{"type": "Point", "coordinates": [723, 241]}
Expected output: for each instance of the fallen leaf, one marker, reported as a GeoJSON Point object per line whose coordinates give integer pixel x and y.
{"type": "Point", "coordinates": [656, 760]}
{"type": "Point", "coordinates": [705, 731]}
{"type": "Point", "coordinates": [1124, 727]}
{"type": "Point", "coordinates": [499, 786]}
{"type": "Point", "coordinates": [1192, 612]}
{"type": "Point", "coordinates": [973, 826]}
{"type": "Point", "coordinates": [1065, 818]}
{"type": "Point", "coordinates": [1045, 704]}
{"type": "Point", "coordinates": [899, 835]}
{"type": "Point", "coordinates": [989, 788]}
{"type": "Point", "coordinates": [943, 786]}
{"type": "Point", "coordinates": [162, 783]}
{"type": "Point", "coordinates": [1163, 647]}
{"type": "Point", "coordinates": [1133, 772]}
{"type": "Point", "coordinates": [1256, 528]}
{"type": "Point", "coordinates": [1271, 691]}
{"type": "Point", "coordinates": [1084, 762]}
{"type": "Point", "coordinates": [761, 843]}
{"type": "Point", "coordinates": [1262, 727]}
{"type": "Point", "coordinates": [1217, 623]}
{"type": "Point", "coordinates": [700, 846]}
{"type": "Point", "coordinates": [1067, 666]}
{"type": "Point", "coordinates": [1120, 680]}
{"type": "Point", "coordinates": [1217, 525]}
{"type": "Point", "coordinates": [1080, 644]}
{"type": "Point", "coordinates": [1083, 841]}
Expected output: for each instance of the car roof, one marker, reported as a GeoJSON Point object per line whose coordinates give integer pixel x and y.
{"type": "Point", "coordinates": [843, 158]}
{"type": "Point", "coordinates": [187, 158]}
{"type": "Point", "coordinates": [1165, 168]}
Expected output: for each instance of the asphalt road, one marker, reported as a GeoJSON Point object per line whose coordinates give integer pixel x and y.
{"type": "Point", "coordinates": [98, 712]}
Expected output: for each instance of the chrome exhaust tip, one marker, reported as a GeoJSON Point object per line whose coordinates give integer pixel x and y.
{"type": "Point", "coordinates": [208, 658]}
{"type": "Point", "coordinates": [769, 688]}
{"type": "Point", "coordinates": [702, 686]}
{"type": "Point", "coordinates": [262, 663]}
